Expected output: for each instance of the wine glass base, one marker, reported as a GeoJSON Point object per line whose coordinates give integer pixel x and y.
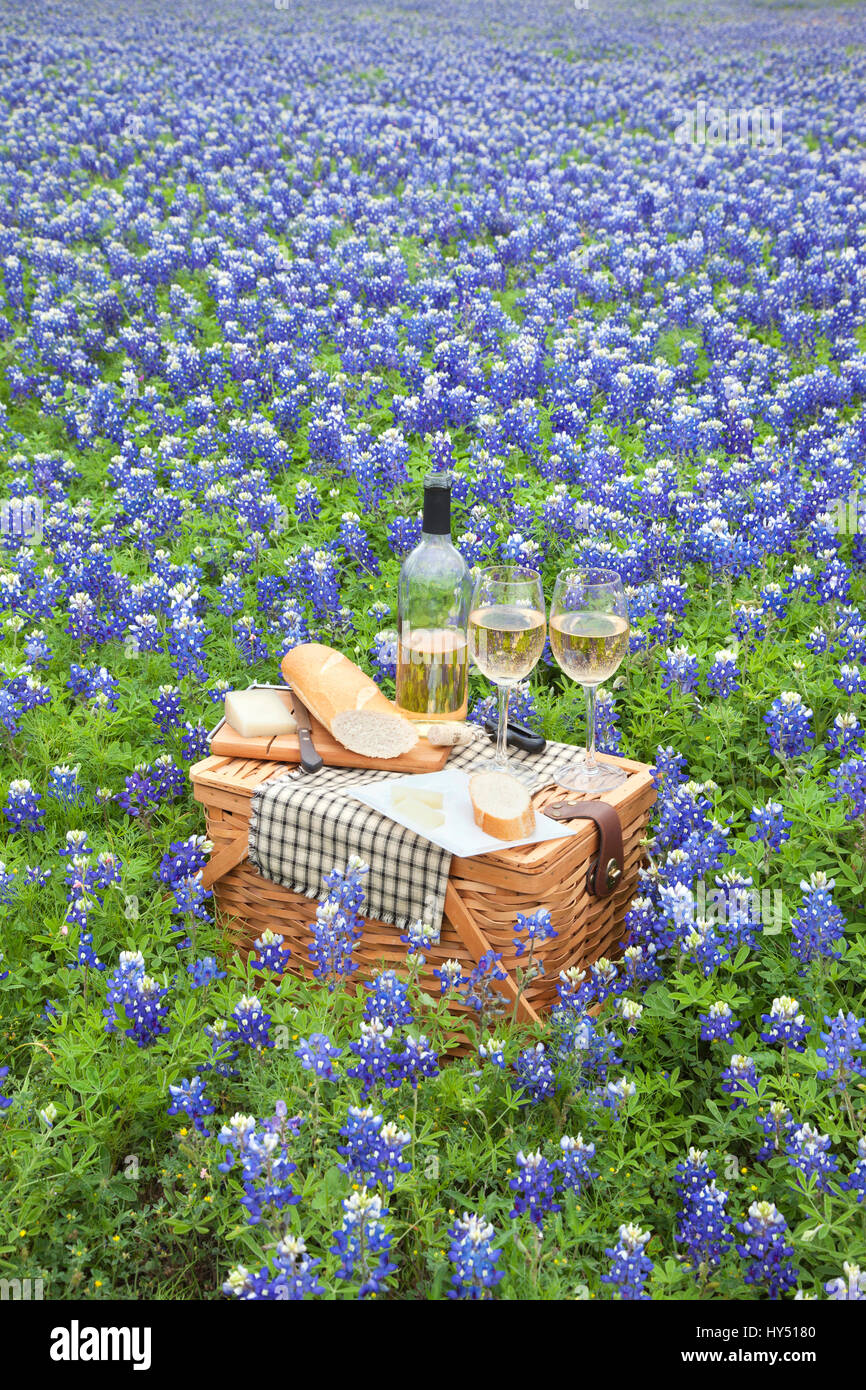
{"type": "Point", "coordinates": [574, 777]}
{"type": "Point", "coordinates": [525, 775]}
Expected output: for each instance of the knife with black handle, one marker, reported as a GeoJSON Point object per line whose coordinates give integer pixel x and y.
{"type": "Point", "coordinates": [310, 759]}
{"type": "Point", "coordinates": [519, 736]}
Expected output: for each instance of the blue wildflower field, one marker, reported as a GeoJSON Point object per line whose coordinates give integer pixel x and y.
{"type": "Point", "coordinates": [260, 265]}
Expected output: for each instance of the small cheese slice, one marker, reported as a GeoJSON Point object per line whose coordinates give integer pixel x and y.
{"type": "Point", "coordinates": [419, 813]}
{"type": "Point", "coordinates": [427, 798]}
{"type": "Point", "coordinates": [257, 713]}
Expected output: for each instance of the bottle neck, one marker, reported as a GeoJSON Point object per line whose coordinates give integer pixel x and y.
{"type": "Point", "coordinates": [436, 520]}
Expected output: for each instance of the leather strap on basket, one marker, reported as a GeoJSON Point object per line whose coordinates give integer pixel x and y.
{"type": "Point", "coordinates": [605, 871]}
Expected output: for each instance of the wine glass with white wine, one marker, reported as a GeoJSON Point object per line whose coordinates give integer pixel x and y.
{"type": "Point", "coordinates": [506, 638]}
{"type": "Point", "coordinates": [589, 630]}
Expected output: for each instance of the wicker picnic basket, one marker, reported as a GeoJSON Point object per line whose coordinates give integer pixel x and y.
{"type": "Point", "coordinates": [482, 901]}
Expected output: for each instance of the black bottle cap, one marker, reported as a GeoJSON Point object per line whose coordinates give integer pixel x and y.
{"type": "Point", "coordinates": [437, 505]}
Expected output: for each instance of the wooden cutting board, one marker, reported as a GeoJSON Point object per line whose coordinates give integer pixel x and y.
{"type": "Point", "coordinates": [283, 748]}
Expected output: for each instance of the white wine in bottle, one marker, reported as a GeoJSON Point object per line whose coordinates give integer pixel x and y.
{"type": "Point", "coordinates": [432, 610]}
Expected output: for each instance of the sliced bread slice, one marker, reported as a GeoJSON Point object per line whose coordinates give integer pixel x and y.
{"type": "Point", "coordinates": [373, 734]}
{"type": "Point", "coordinates": [501, 806]}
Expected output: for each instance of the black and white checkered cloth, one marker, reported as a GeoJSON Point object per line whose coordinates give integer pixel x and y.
{"type": "Point", "coordinates": [302, 826]}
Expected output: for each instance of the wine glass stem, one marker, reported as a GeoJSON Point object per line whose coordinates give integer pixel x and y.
{"type": "Point", "coordinates": [501, 756]}
{"type": "Point", "coordinates": [591, 764]}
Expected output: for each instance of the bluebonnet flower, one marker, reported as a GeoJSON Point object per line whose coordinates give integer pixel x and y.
{"type": "Point", "coordinates": [474, 1258]}
{"type": "Point", "coordinates": [608, 738]}
{"type": "Point", "coordinates": [364, 1244]}
{"type": "Point", "coordinates": [383, 654]}
{"type": "Point", "coordinates": [296, 1268]}
{"type": "Point", "coordinates": [373, 1051]}
{"type": "Point", "coordinates": [188, 1098]}
{"type": "Point", "coordinates": [740, 1079]}
{"type": "Point", "coordinates": [205, 971]}
{"type": "Point", "coordinates": [521, 708]}
{"type": "Point", "coordinates": [785, 1024]}
{"type": "Point", "coordinates": [718, 1024]}
{"type": "Point", "coordinates": [87, 957]}
{"type": "Point", "coordinates": [492, 1050]}
{"type": "Point", "coordinates": [771, 827]}
{"type": "Point", "coordinates": [5, 1101]}
{"type": "Point", "coordinates": [450, 976]}
{"type": "Point", "coordinates": [850, 1286]}
{"type": "Point", "coordinates": [271, 953]}
{"type": "Point", "coordinates": [574, 1165]}
{"type": "Point", "coordinates": [702, 1226]}
{"type": "Point", "coordinates": [8, 884]}
{"type": "Point", "coordinates": [631, 1012]}
{"type": "Point", "coordinates": [765, 1248]}
{"type": "Point", "coordinates": [575, 991]}
{"type": "Point", "coordinates": [260, 1148]}
{"type": "Point", "coordinates": [413, 1060]}
{"type": "Point", "coordinates": [845, 735]}
{"type": "Point", "coordinates": [631, 1266]}
{"type": "Point", "coordinates": [373, 1150]}
{"type": "Point", "coordinates": [693, 1174]}
{"type": "Point", "coordinates": [723, 677]}
{"type": "Point", "coordinates": [789, 725]}
{"type": "Point", "coordinates": [337, 925]}
{"type": "Point", "coordinates": [76, 845]}
{"type": "Point", "coordinates": [534, 1187]}
{"type": "Point", "coordinates": [612, 1094]}
{"type": "Point", "coordinates": [420, 936]}
{"type": "Point", "coordinates": [856, 1182]}
{"type": "Point", "coordinates": [294, 1280]}
{"type": "Point", "coordinates": [777, 1125]}
{"type": "Point", "coordinates": [252, 1024]}
{"type": "Point", "coordinates": [317, 1054]}
{"type": "Point", "coordinates": [535, 1074]}
{"type": "Point", "coordinates": [679, 668]}
{"type": "Point", "coordinates": [818, 928]}
{"type": "Point", "coordinates": [169, 707]}
{"type": "Point", "coordinates": [480, 993]}
{"type": "Point", "coordinates": [64, 786]}
{"type": "Point", "coordinates": [22, 807]}
{"type": "Point", "coordinates": [139, 996]}
{"type": "Point", "coordinates": [388, 1000]}
{"type": "Point", "coordinates": [809, 1152]}
{"type": "Point", "coordinates": [537, 929]}
{"type": "Point", "coordinates": [848, 782]}
{"type": "Point", "coordinates": [850, 680]}
{"type": "Point", "coordinates": [604, 979]}
{"type": "Point", "coordinates": [841, 1044]}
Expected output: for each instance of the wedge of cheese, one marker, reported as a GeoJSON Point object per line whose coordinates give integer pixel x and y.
{"type": "Point", "coordinates": [428, 798]}
{"type": "Point", "coordinates": [258, 713]}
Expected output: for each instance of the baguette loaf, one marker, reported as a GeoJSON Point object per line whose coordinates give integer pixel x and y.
{"type": "Point", "coordinates": [501, 806]}
{"type": "Point", "coordinates": [349, 704]}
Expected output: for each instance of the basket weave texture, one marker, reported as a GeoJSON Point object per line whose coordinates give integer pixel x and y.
{"type": "Point", "coordinates": [484, 895]}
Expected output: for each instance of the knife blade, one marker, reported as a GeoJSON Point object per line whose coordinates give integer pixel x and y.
{"type": "Point", "coordinates": [311, 761]}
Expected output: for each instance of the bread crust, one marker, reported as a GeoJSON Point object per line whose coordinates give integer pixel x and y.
{"type": "Point", "coordinates": [331, 686]}
{"type": "Point", "coordinates": [329, 683]}
{"type": "Point", "coordinates": [515, 827]}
